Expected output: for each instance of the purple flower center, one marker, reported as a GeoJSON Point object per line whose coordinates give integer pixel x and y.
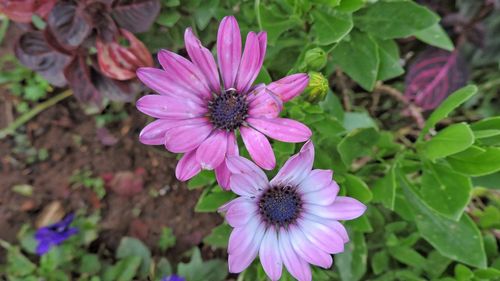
{"type": "Point", "coordinates": [228, 110]}
{"type": "Point", "coordinates": [280, 205]}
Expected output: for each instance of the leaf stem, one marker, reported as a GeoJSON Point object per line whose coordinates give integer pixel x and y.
{"type": "Point", "coordinates": [10, 129]}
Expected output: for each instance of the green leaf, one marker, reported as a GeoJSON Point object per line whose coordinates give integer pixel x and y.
{"type": "Point", "coordinates": [125, 270]}
{"type": "Point", "coordinates": [167, 239]}
{"type": "Point", "coordinates": [488, 181]}
{"type": "Point", "coordinates": [197, 270]}
{"type": "Point", "coordinates": [89, 264]}
{"type": "Point", "coordinates": [463, 273]}
{"type": "Point", "coordinates": [204, 178]}
{"type": "Point", "coordinates": [351, 264]}
{"type": "Point", "coordinates": [357, 188]}
{"type": "Point", "coordinates": [488, 130]}
{"type": "Point", "coordinates": [357, 143]}
{"type": "Point", "coordinates": [384, 189]}
{"type": "Point", "coordinates": [408, 256]}
{"type": "Point", "coordinates": [359, 58]}
{"type": "Point", "coordinates": [487, 274]}
{"type": "Point", "coordinates": [435, 36]}
{"type": "Point", "coordinates": [390, 66]}
{"type": "Point", "coordinates": [275, 22]}
{"type": "Point", "coordinates": [168, 19]}
{"type": "Point", "coordinates": [349, 6]}
{"type": "Point", "coordinates": [476, 161]}
{"type": "Point", "coordinates": [330, 26]}
{"type": "Point", "coordinates": [219, 236]}
{"type": "Point", "coordinates": [467, 243]}
{"type": "Point", "coordinates": [132, 247]}
{"type": "Point", "coordinates": [211, 201]}
{"type": "Point", "coordinates": [436, 264]}
{"type": "Point", "coordinates": [380, 262]}
{"type": "Point", "coordinates": [17, 264]}
{"type": "Point", "coordinates": [395, 19]}
{"type": "Point", "coordinates": [356, 120]}
{"type": "Point", "coordinates": [205, 12]}
{"type": "Point", "coordinates": [453, 139]}
{"type": "Point", "coordinates": [445, 190]}
{"type": "Point", "coordinates": [447, 106]}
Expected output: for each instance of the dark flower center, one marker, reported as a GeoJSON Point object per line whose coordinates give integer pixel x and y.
{"type": "Point", "coordinates": [280, 205]}
{"type": "Point", "coordinates": [228, 110]}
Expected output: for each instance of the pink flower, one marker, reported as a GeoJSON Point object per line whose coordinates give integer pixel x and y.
{"type": "Point", "coordinates": [291, 220]}
{"type": "Point", "coordinates": [199, 116]}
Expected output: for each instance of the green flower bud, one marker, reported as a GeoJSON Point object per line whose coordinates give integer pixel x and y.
{"type": "Point", "coordinates": [315, 59]}
{"type": "Point", "coordinates": [317, 89]}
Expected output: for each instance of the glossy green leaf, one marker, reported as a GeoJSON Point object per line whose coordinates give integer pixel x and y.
{"type": "Point", "coordinates": [380, 262]}
{"type": "Point", "coordinates": [349, 6]}
{"type": "Point", "coordinates": [357, 143]}
{"type": "Point", "coordinates": [132, 247]}
{"type": "Point", "coordinates": [476, 161]}
{"type": "Point", "coordinates": [199, 270]}
{"type": "Point", "coordinates": [351, 264]}
{"type": "Point", "coordinates": [390, 65]}
{"type": "Point", "coordinates": [211, 201]}
{"type": "Point", "coordinates": [453, 139]}
{"type": "Point", "coordinates": [384, 189]}
{"type": "Point", "coordinates": [436, 36]}
{"type": "Point", "coordinates": [219, 236]}
{"type": "Point", "coordinates": [357, 188]}
{"type": "Point", "coordinates": [358, 56]}
{"type": "Point", "coordinates": [330, 26]}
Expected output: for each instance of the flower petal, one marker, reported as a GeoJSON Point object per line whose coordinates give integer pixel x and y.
{"type": "Point", "coordinates": [250, 63]}
{"type": "Point", "coordinates": [243, 257]}
{"type": "Point", "coordinates": [188, 166]}
{"type": "Point", "coordinates": [344, 208]}
{"type": "Point", "coordinates": [333, 224]}
{"type": "Point", "coordinates": [316, 180]}
{"type": "Point", "coordinates": [322, 236]}
{"type": "Point", "coordinates": [154, 132]}
{"type": "Point", "coordinates": [297, 267]}
{"type": "Point", "coordinates": [264, 104]}
{"type": "Point", "coordinates": [187, 137]}
{"type": "Point", "coordinates": [282, 129]}
{"type": "Point", "coordinates": [290, 86]}
{"type": "Point", "coordinates": [241, 212]}
{"type": "Point", "coordinates": [203, 59]}
{"type": "Point", "coordinates": [297, 167]}
{"type": "Point", "coordinates": [212, 151]}
{"type": "Point", "coordinates": [229, 50]}
{"type": "Point", "coordinates": [324, 196]}
{"type": "Point", "coordinates": [164, 84]}
{"type": "Point", "coordinates": [245, 185]}
{"type": "Point", "coordinates": [222, 172]}
{"type": "Point", "coordinates": [159, 106]}
{"type": "Point", "coordinates": [269, 254]}
{"type": "Point", "coordinates": [259, 148]}
{"type": "Point", "coordinates": [241, 165]}
{"type": "Point", "coordinates": [307, 251]}
{"type": "Point", "coordinates": [262, 36]}
{"type": "Point", "coordinates": [185, 72]}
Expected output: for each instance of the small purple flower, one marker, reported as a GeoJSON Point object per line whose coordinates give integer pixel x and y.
{"type": "Point", "coordinates": [54, 234]}
{"type": "Point", "coordinates": [173, 277]}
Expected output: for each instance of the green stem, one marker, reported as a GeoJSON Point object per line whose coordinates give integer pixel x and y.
{"type": "Point", "coordinates": [10, 129]}
{"type": "Point", "coordinates": [257, 13]}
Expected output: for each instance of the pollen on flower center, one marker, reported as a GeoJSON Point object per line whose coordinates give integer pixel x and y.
{"type": "Point", "coordinates": [228, 110]}
{"type": "Point", "coordinates": [280, 205]}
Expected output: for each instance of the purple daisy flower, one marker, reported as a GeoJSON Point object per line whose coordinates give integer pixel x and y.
{"type": "Point", "coordinates": [291, 220]}
{"type": "Point", "coordinates": [54, 234]}
{"type": "Point", "coordinates": [173, 277]}
{"type": "Point", "coordinates": [199, 116]}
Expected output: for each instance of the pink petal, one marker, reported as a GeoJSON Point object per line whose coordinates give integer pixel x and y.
{"type": "Point", "coordinates": [203, 59]}
{"type": "Point", "coordinates": [229, 50]}
{"type": "Point", "coordinates": [250, 63]}
{"type": "Point", "coordinates": [333, 224]}
{"type": "Point", "coordinates": [344, 208]}
{"type": "Point", "coordinates": [167, 85]}
{"type": "Point", "coordinates": [241, 237]}
{"type": "Point", "coordinates": [269, 254]}
{"type": "Point", "coordinates": [259, 148]}
{"type": "Point", "coordinates": [289, 87]}
{"type": "Point", "coordinates": [297, 267]}
{"type": "Point", "coordinates": [185, 72]}
{"type": "Point", "coordinates": [307, 251]}
{"type": "Point", "coordinates": [262, 36]}
{"type": "Point", "coordinates": [282, 129]}
{"type": "Point", "coordinates": [264, 104]}
{"type": "Point", "coordinates": [154, 132]}
{"type": "Point", "coordinates": [222, 172]}
{"type": "Point", "coordinates": [245, 185]}
{"type": "Point", "coordinates": [241, 165]}
{"type": "Point", "coordinates": [212, 151]}
{"type": "Point", "coordinates": [240, 260]}
{"type": "Point", "coordinates": [159, 106]}
{"type": "Point", "coordinates": [322, 236]}
{"type": "Point", "coordinates": [324, 196]}
{"type": "Point", "coordinates": [241, 212]}
{"type": "Point", "coordinates": [187, 167]}
{"type": "Point", "coordinates": [187, 137]}
{"type": "Point", "coordinates": [297, 167]}
{"type": "Point", "coordinates": [316, 180]}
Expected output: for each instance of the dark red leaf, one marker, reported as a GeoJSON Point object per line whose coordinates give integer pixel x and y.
{"type": "Point", "coordinates": [68, 24]}
{"type": "Point", "coordinates": [120, 62]}
{"type": "Point", "coordinates": [23, 10]}
{"type": "Point", "coordinates": [434, 75]}
{"type": "Point", "coordinates": [136, 15]}
{"type": "Point", "coordinates": [33, 51]}
{"type": "Point", "coordinates": [79, 77]}
{"type": "Point", "coordinates": [99, 14]}
{"type": "Point", "coordinates": [123, 91]}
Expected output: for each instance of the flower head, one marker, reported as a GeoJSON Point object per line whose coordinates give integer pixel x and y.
{"type": "Point", "coordinates": [199, 116]}
{"type": "Point", "coordinates": [54, 234]}
{"type": "Point", "coordinates": [173, 277]}
{"type": "Point", "coordinates": [291, 220]}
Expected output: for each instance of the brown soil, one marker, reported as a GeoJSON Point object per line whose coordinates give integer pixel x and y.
{"type": "Point", "coordinates": [70, 137]}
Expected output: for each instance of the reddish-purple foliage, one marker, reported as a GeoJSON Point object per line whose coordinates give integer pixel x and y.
{"type": "Point", "coordinates": [434, 75]}
{"type": "Point", "coordinates": [61, 53]}
{"type": "Point", "coordinates": [23, 10]}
